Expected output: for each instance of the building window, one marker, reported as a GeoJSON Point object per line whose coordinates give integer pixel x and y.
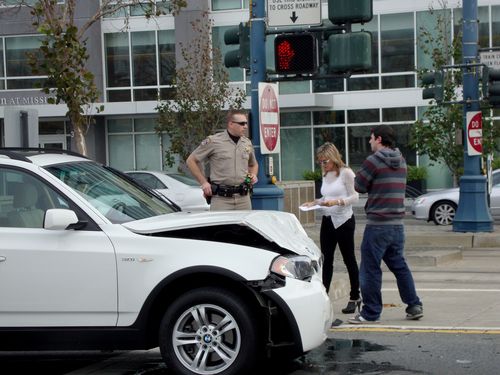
{"type": "Point", "coordinates": [229, 4]}
{"type": "Point", "coordinates": [133, 144]}
{"type": "Point", "coordinates": [153, 65]}
{"type": "Point", "coordinates": [296, 152]}
{"type": "Point", "coordinates": [17, 69]}
{"type": "Point", "coordinates": [139, 10]}
{"type": "Point", "coordinates": [397, 48]}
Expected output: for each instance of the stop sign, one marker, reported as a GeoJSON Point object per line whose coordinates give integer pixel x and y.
{"type": "Point", "coordinates": [269, 118]}
{"type": "Point", "coordinates": [474, 133]}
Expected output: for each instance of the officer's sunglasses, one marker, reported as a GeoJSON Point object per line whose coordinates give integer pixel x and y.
{"type": "Point", "coordinates": [323, 162]}
{"type": "Point", "coordinates": [241, 123]}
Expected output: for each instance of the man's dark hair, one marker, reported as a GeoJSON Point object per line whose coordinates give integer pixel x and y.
{"type": "Point", "coordinates": [233, 112]}
{"type": "Point", "coordinates": [386, 133]}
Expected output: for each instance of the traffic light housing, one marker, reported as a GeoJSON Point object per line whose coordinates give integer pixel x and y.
{"type": "Point", "coordinates": [349, 52]}
{"type": "Point", "coordinates": [296, 53]}
{"type": "Point", "coordinates": [239, 58]}
{"type": "Point", "coordinates": [433, 86]}
{"type": "Point", "coordinates": [494, 87]}
{"type": "Point", "coordinates": [350, 11]}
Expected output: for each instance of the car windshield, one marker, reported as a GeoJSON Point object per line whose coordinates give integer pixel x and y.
{"type": "Point", "coordinates": [111, 194]}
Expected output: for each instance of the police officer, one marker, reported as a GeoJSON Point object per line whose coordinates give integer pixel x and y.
{"type": "Point", "coordinates": [233, 167]}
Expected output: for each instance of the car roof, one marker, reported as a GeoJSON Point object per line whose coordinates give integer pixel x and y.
{"type": "Point", "coordinates": [41, 156]}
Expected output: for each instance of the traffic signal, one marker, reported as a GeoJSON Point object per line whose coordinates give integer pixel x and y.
{"type": "Point", "coordinates": [433, 86]}
{"type": "Point", "coordinates": [239, 57]}
{"type": "Point", "coordinates": [350, 11]}
{"type": "Point", "coordinates": [349, 52]}
{"type": "Point", "coordinates": [296, 53]}
{"type": "Point", "coordinates": [494, 87]}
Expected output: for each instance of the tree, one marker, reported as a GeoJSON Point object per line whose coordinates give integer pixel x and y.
{"type": "Point", "coordinates": [201, 94]}
{"type": "Point", "coordinates": [63, 55]}
{"type": "Point", "coordinates": [439, 133]}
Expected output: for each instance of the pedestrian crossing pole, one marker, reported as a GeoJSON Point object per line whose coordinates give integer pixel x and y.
{"type": "Point", "coordinates": [472, 213]}
{"type": "Point", "coordinates": [266, 196]}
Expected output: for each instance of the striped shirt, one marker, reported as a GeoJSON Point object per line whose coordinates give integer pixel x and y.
{"type": "Point", "coordinates": [383, 176]}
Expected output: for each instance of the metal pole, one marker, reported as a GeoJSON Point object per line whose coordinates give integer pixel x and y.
{"type": "Point", "coordinates": [472, 213]}
{"type": "Point", "coordinates": [266, 196]}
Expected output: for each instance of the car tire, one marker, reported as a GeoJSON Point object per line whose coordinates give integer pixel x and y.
{"type": "Point", "coordinates": [443, 212]}
{"type": "Point", "coordinates": [193, 341]}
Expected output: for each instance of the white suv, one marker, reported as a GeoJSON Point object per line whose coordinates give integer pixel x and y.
{"type": "Point", "coordinates": [91, 260]}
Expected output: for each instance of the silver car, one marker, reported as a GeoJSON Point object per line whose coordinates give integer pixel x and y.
{"type": "Point", "coordinates": [180, 189]}
{"type": "Point", "coordinates": [440, 206]}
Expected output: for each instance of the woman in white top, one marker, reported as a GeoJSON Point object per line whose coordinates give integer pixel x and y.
{"type": "Point", "coordinates": [338, 224]}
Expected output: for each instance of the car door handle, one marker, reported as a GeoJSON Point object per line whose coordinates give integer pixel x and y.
{"type": "Point", "coordinates": [3, 259]}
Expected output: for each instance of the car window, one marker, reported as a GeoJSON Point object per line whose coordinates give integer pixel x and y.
{"type": "Point", "coordinates": [117, 198]}
{"type": "Point", "coordinates": [24, 199]}
{"type": "Point", "coordinates": [184, 179]}
{"type": "Point", "coordinates": [496, 178]}
{"type": "Point", "coordinates": [148, 180]}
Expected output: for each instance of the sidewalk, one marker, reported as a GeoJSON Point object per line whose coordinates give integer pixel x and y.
{"type": "Point", "coordinates": [457, 276]}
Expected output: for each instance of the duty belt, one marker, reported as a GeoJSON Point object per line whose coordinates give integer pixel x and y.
{"type": "Point", "coordinates": [228, 191]}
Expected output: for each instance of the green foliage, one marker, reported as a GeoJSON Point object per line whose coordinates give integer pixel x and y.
{"type": "Point", "coordinates": [439, 134]}
{"type": "Point", "coordinates": [416, 173]}
{"type": "Point", "coordinates": [436, 135]}
{"type": "Point", "coordinates": [63, 55]}
{"type": "Point", "coordinates": [312, 175]}
{"type": "Point", "coordinates": [495, 164]}
{"type": "Point", "coordinates": [201, 93]}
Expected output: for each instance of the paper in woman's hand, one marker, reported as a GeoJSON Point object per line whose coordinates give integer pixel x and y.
{"type": "Point", "coordinates": [309, 208]}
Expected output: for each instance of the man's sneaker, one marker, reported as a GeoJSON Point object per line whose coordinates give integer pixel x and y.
{"type": "Point", "coordinates": [414, 312]}
{"type": "Point", "coordinates": [358, 319]}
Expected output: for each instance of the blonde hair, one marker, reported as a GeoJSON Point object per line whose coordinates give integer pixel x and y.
{"type": "Point", "coordinates": [328, 151]}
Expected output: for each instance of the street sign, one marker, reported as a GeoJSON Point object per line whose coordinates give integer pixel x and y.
{"type": "Point", "coordinates": [490, 58]}
{"type": "Point", "coordinates": [293, 12]}
{"type": "Point", "coordinates": [269, 118]}
{"type": "Point", "coordinates": [474, 133]}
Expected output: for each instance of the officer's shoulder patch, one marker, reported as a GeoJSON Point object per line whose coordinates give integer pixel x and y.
{"type": "Point", "coordinates": [206, 141]}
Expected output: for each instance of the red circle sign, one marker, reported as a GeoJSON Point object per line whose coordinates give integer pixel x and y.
{"type": "Point", "coordinates": [269, 118]}
{"type": "Point", "coordinates": [475, 132]}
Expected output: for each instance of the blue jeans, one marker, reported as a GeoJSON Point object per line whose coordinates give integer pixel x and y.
{"type": "Point", "coordinates": [384, 242]}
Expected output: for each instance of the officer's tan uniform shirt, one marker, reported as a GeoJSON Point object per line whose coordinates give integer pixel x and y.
{"type": "Point", "coordinates": [228, 161]}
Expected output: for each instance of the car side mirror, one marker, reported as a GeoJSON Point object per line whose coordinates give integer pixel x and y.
{"type": "Point", "coordinates": [60, 219]}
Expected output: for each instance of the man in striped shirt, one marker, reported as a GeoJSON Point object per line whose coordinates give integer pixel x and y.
{"type": "Point", "coordinates": [383, 176]}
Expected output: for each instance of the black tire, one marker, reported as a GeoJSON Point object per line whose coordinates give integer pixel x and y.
{"type": "Point", "coordinates": [443, 212]}
{"type": "Point", "coordinates": [195, 317]}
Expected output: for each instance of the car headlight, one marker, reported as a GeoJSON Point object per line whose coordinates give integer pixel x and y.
{"type": "Point", "coordinates": [419, 201]}
{"type": "Point", "coordinates": [295, 266]}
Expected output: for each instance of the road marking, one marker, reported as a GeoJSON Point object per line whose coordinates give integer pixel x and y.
{"type": "Point", "coordinates": [382, 328]}
{"type": "Point", "coordinates": [444, 290]}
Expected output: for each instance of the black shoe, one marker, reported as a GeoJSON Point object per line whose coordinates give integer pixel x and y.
{"type": "Point", "coordinates": [352, 305]}
{"type": "Point", "coordinates": [414, 312]}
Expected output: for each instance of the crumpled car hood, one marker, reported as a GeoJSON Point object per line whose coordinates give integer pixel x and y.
{"type": "Point", "coordinates": [280, 227]}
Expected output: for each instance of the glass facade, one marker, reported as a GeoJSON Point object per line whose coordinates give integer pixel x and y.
{"type": "Point", "coordinates": [139, 65]}
{"type": "Point", "coordinates": [15, 71]}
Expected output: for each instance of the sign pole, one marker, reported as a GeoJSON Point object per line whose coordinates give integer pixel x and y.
{"type": "Point", "coordinates": [472, 213]}
{"type": "Point", "coordinates": [266, 196]}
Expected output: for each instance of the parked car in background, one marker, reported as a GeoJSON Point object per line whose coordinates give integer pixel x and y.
{"type": "Point", "coordinates": [92, 260]}
{"type": "Point", "coordinates": [180, 189]}
{"type": "Point", "coordinates": [440, 206]}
